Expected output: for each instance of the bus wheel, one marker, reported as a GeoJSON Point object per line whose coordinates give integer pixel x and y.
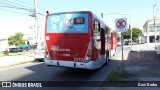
{"type": "Point", "coordinates": [107, 58]}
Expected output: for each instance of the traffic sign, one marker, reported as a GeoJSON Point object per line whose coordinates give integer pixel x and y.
{"type": "Point", "coordinates": [121, 24]}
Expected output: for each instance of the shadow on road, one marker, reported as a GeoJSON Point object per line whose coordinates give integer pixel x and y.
{"type": "Point", "coordinates": [44, 73]}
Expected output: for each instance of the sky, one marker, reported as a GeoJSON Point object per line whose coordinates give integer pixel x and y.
{"type": "Point", "coordinates": [14, 20]}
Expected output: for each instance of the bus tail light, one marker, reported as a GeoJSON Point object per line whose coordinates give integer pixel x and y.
{"type": "Point", "coordinates": [46, 53]}
{"type": "Point", "coordinates": [89, 52]}
{"type": "Point", "coordinates": [45, 50]}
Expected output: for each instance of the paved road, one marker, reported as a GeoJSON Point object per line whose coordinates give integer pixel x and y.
{"type": "Point", "coordinates": [37, 71]}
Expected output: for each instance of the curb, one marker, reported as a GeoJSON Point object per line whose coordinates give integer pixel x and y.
{"type": "Point", "coordinates": [117, 56]}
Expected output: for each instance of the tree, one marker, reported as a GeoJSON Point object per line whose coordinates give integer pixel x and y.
{"type": "Point", "coordinates": [136, 32]}
{"type": "Point", "coordinates": [16, 39]}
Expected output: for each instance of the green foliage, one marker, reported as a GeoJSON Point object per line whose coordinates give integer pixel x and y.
{"type": "Point", "coordinates": [15, 54]}
{"type": "Point", "coordinates": [117, 75]}
{"type": "Point", "coordinates": [135, 33]}
{"type": "Point", "coordinates": [5, 53]}
{"type": "Point", "coordinates": [16, 39]}
{"type": "Point", "coordinates": [127, 35]}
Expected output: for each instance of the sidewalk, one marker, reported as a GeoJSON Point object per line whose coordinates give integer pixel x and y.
{"type": "Point", "coordinates": [118, 55]}
{"type": "Point", "coordinates": [14, 60]}
{"type": "Point", "coordinates": [141, 64]}
{"type": "Point", "coordinates": [144, 47]}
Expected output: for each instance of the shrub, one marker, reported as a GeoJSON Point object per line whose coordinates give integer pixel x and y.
{"type": "Point", "coordinates": [6, 52]}
{"type": "Point", "coordinates": [117, 75]}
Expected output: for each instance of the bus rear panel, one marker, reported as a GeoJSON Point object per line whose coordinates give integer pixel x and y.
{"type": "Point", "coordinates": [76, 40]}
{"type": "Point", "coordinates": [68, 40]}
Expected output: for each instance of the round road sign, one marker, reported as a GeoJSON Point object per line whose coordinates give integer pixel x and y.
{"type": "Point", "coordinates": [121, 23]}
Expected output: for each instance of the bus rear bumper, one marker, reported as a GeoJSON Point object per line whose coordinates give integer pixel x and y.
{"type": "Point", "coordinates": [71, 64]}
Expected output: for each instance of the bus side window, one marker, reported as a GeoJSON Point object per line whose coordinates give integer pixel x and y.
{"type": "Point", "coordinates": [107, 35]}
{"type": "Point", "coordinates": [96, 31]}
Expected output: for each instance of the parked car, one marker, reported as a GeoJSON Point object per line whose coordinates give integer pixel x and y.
{"type": "Point", "coordinates": [39, 53]}
{"type": "Point", "coordinates": [126, 43]}
{"type": "Point", "coordinates": [24, 47]}
{"type": "Point", "coordinates": [15, 49]}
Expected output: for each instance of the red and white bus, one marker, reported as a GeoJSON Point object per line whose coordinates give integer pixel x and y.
{"type": "Point", "coordinates": [77, 40]}
{"type": "Point", "coordinates": [114, 42]}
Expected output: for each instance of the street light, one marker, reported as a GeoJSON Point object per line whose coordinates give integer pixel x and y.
{"type": "Point", "coordinates": [154, 17]}
{"type": "Point", "coordinates": [102, 15]}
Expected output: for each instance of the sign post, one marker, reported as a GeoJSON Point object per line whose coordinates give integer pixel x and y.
{"type": "Point", "coordinates": [121, 26]}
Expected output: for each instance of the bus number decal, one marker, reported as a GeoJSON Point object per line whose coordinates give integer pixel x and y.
{"type": "Point", "coordinates": [78, 59]}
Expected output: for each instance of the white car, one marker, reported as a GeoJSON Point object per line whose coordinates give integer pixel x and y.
{"type": "Point", "coordinates": [119, 43]}
{"type": "Point", "coordinates": [39, 54]}
{"type": "Point", "coordinates": [158, 49]}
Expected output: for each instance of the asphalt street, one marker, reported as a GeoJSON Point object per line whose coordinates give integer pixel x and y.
{"type": "Point", "coordinates": [37, 71]}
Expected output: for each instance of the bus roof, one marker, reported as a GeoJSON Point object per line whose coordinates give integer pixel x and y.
{"type": "Point", "coordinates": [70, 12]}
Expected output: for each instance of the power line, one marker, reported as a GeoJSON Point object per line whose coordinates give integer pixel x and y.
{"type": "Point", "coordinates": [22, 9]}
{"type": "Point", "coordinates": [41, 14]}
{"type": "Point", "coordinates": [13, 11]}
{"type": "Point", "coordinates": [13, 3]}
{"type": "Point", "coordinates": [9, 4]}
{"type": "Point", "coordinates": [17, 8]}
{"type": "Point", "coordinates": [25, 2]}
{"type": "Point", "coordinates": [30, 5]}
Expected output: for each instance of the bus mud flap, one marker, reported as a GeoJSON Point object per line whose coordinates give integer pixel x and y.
{"type": "Point", "coordinates": [57, 63]}
{"type": "Point", "coordinates": [74, 64]}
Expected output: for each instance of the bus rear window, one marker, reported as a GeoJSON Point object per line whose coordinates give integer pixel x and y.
{"type": "Point", "coordinates": [68, 23]}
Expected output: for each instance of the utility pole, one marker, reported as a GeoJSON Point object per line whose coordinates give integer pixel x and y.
{"type": "Point", "coordinates": [154, 17]}
{"type": "Point", "coordinates": [36, 21]}
{"type": "Point", "coordinates": [102, 15]}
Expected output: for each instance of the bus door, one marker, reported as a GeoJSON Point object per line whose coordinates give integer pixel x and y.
{"type": "Point", "coordinates": [97, 40]}
{"type": "Point", "coordinates": [107, 39]}
{"type": "Point", "coordinates": [102, 41]}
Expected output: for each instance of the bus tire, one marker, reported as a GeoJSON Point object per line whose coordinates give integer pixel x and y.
{"type": "Point", "coordinates": [107, 58]}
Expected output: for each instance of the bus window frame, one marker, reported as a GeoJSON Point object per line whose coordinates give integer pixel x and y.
{"type": "Point", "coordinates": [97, 29]}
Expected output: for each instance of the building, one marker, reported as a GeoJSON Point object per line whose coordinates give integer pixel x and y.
{"type": "Point", "coordinates": [35, 35]}
{"type": "Point", "coordinates": [149, 31]}
{"type": "Point", "coordinates": [3, 44]}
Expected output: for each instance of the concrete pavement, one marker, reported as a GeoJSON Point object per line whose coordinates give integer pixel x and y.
{"type": "Point", "coordinates": [141, 64]}
{"type": "Point", "coordinates": [144, 47]}
{"type": "Point", "coordinates": [14, 60]}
